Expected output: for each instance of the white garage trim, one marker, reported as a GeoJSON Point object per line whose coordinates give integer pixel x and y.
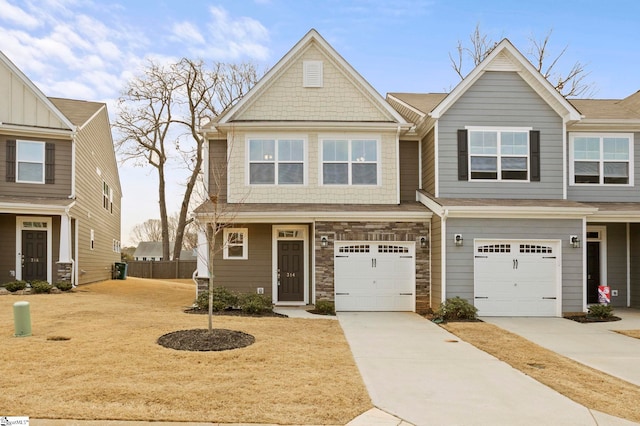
{"type": "Point", "coordinates": [518, 277]}
{"type": "Point", "coordinates": [374, 276]}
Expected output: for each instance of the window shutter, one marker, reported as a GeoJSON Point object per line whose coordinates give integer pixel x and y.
{"type": "Point", "coordinates": [534, 155]}
{"type": "Point", "coordinates": [463, 155]}
{"type": "Point", "coordinates": [49, 163]}
{"type": "Point", "coordinates": [11, 161]}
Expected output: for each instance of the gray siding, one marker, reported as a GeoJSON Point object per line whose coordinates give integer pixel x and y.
{"type": "Point", "coordinates": [428, 162]}
{"type": "Point", "coordinates": [244, 276]}
{"type": "Point", "coordinates": [62, 186]}
{"type": "Point", "coordinates": [218, 169]}
{"type": "Point", "coordinates": [459, 266]}
{"type": "Point", "coordinates": [635, 265]}
{"type": "Point", "coordinates": [436, 261]}
{"type": "Point", "coordinates": [409, 170]}
{"type": "Point", "coordinates": [501, 99]}
{"type": "Point", "coordinates": [617, 262]}
{"type": "Point", "coordinates": [7, 247]}
{"type": "Point", "coordinates": [610, 193]}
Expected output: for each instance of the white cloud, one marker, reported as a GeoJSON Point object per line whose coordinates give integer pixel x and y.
{"type": "Point", "coordinates": [187, 32]}
{"type": "Point", "coordinates": [18, 16]}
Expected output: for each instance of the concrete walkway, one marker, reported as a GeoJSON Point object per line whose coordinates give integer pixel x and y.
{"type": "Point", "coordinates": [420, 373]}
{"type": "Point", "coordinates": [593, 344]}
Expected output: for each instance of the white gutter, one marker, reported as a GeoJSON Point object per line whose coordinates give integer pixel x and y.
{"type": "Point", "coordinates": [398, 165]}
{"type": "Point", "coordinates": [306, 125]}
{"type": "Point", "coordinates": [29, 131]}
{"type": "Point", "coordinates": [443, 255]}
{"type": "Point", "coordinates": [565, 180]}
{"type": "Point", "coordinates": [307, 217]}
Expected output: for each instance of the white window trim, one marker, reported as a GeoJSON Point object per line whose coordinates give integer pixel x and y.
{"type": "Point", "coordinates": [276, 138]}
{"type": "Point", "coordinates": [92, 239]}
{"type": "Point", "coordinates": [349, 138]}
{"type": "Point", "coordinates": [572, 180]}
{"type": "Point", "coordinates": [498, 155]}
{"type": "Point", "coordinates": [44, 160]}
{"type": "Point", "coordinates": [245, 243]}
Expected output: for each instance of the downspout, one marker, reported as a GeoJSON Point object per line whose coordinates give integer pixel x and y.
{"type": "Point", "coordinates": [628, 265]}
{"type": "Point", "coordinates": [73, 165]}
{"type": "Point", "coordinates": [443, 255]}
{"type": "Point", "coordinates": [397, 165]}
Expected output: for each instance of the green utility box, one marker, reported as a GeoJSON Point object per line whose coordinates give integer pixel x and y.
{"type": "Point", "coordinates": [22, 319]}
{"type": "Point", "coordinates": [121, 271]}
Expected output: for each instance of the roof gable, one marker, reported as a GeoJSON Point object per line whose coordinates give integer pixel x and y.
{"type": "Point", "coordinates": [505, 57]}
{"type": "Point", "coordinates": [343, 95]}
{"type": "Point", "coordinates": [23, 104]}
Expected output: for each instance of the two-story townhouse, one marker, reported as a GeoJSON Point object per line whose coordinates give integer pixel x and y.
{"type": "Point", "coordinates": [60, 189]}
{"type": "Point", "coordinates": [307, 169]}
{"type": "Point", "coordinates": [533, 195]}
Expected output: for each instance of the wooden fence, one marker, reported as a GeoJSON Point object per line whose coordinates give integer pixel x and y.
{"type": "Point", "coordinates": [161, 269]}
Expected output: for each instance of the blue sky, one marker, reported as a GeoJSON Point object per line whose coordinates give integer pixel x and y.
{"type": "Point", "coordinates": [86, 49]}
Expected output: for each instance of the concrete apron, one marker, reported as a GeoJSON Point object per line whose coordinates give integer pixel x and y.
{"type": "Point", "coordinates": [592, 344]}
{"type": "Point", "coordinates": [414, 371]}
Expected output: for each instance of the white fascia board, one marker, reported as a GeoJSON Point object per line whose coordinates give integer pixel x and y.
{"type": "Point", "coordinates": [409, 107]}
{"type": "Point", "coordinates": [430, 204]}
{"type": "Point", "coordinates": [307, 125]}
{"type": "Point", "coordinates": [310, 217]}
{"type": "Point", "coordinates": [512, 212]}
{"type": "Point", "coordinates": [29, 131]}
{"type": "Point", "coordinates": [618, 217]}
{"type": "Point", "coordinates": [25, 208]}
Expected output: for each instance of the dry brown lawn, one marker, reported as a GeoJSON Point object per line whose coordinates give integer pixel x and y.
{"type": "Point", "coordinates": [297, 372]}
{"type": "Point", "coordinates": [585, 385]}
{"type": "Point", "coordinates": [631, 333]}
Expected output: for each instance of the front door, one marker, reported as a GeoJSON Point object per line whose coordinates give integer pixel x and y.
{"type": "Point", "coordinates": [593, 271]}
{"type": "Point", "coordinates": [290, 271]}
{"type": "Point", "coordinates": [34, 255]}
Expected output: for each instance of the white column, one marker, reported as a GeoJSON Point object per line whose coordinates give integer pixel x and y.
{"type": "Point", "coordinates": [203, 254]}
{"type": "Point", "coordinates": [65, 239]}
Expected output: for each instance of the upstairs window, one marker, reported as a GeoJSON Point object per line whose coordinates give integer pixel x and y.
{"type": "Point", "coordinates": [276, 161]}
{"type": "Point", "coordinates": [107, 197]}
{"type": "Point", "coordinates": [601, 159]}
{"type": "Point", "coordinates": [499, 155]}
{"type": "Point", "coordinates": [350, 161]}
{"type": "Point", "coordinates": [30, 161]}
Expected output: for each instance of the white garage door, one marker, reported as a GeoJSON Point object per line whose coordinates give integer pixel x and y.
{"type": "Point", "coordinates": [518, 278]}
{"type": "Point", "coordinates": [374, 276]}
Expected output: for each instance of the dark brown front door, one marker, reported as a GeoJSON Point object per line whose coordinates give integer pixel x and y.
{"type": "Point", "coordinates": [34, 255]}
{"type": "Point", "coordinates": [593, 271]}
{"type": "Point", "coordinates": [290, 271]}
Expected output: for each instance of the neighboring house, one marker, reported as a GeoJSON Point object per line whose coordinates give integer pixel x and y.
{"type": "Point", "coordinates": [152, 250]}
{"type": "Point", "coordinates": [60, 190]}
{"type": "Point", "coordinates": [527, 200]}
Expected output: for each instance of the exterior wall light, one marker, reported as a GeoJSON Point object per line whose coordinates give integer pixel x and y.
{"type": "Point", "coordinates": [574, 241]}
{"type": "Point", "coordinates": [458, 240]}
{"type": "Point", "coordinates": [423, 242]}
{"type": "Point", "coordinates": [324, 241]}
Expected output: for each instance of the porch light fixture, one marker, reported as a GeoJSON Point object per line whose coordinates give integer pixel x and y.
{"type": "Point", "coordinates": [458, 240]}
{"type": "Point", "coordinates": [324, 241]}
{"type": "Point", "coordinates": [423, 242]}
{"type": "Point", "coordinates": [574, 241]}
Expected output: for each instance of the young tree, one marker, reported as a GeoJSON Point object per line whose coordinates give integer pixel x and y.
{"type": "Point", "coordinates": [159, 118]}
{"type": "Point", "coordinates": [149, 230]}
{"type": "Point", "coordinates": [569, 83]}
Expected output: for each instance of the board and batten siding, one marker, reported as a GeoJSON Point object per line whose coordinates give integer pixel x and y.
{"type": "Point", "coordinates": [436, 261]}
{"type": "Point", "coordinates": [608, 193]}
{"type": "Point", "coordinates": [501, 99]}
{"type": "Point", "coordinates": [61, 188]}
{"type": "Point", "coordinates": [635, 264]}
{"type": "Point", "coordinates": [460, 260]}
{"type": "Point", "coordinates": [409, 170]}
{"type": "Point", "coordinates": [617, 262]}
{"type": "Point", "coordinates": [246, 275]}
{"type": "Point", "coordinates": [218, 169]}
{"type": "Point", "coordinates": [428, 162]}
{"type": "Point", "coordinates": [94, 151]}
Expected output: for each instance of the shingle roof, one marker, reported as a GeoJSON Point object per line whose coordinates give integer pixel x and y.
{"type": "Point", "coordinates": [423, 102]}
{"type": "Point", "coordinates": [78, 112]}
{"type": "Point", "coordinates": [604, 108]}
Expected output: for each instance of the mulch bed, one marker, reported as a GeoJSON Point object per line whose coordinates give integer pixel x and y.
{"type": "Point", "coordinates": [234, 312]}
{"type": "Point", "coordinates": [585, 319]}
{"type": "Point", "coordinates": [202, 340]}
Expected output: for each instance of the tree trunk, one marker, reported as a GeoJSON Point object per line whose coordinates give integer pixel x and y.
{"type": "Point", "coordinates": [163, 213]}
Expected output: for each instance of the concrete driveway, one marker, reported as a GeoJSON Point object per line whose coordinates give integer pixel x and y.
{"type": "Point", "coordinates": [593, 344]}
{"type": "Point", "coordinates": [420, 373]}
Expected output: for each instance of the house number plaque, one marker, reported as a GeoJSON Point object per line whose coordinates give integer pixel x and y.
{"type": "Point", "coordinates": [290, 274]}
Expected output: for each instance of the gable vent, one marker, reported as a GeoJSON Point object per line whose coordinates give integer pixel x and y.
{"type": "Point", "coordinates": [312, 74]}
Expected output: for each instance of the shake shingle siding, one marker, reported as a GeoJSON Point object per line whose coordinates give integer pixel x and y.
{"type": "Point", "coordinates": [501, 99]}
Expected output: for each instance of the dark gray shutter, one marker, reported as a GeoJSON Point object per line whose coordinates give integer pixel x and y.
{"type": "Point", "coordinates": [50, 163]}
{"type": "Point", "coordinates": [534, 155]}
{"type": "Point", "coordinates": [463, 155]}
{"type": "Point", "coordinates": [11, 161]}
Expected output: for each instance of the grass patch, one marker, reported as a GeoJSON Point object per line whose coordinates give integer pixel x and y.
{"type": "Point", "coordinates": [631, 333]}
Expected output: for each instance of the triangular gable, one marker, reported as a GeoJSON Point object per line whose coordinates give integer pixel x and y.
{"type": "Point", "coordinates": [505, 57]}
{"type": "Point", "coordinates": [280, 95]}
{"type": "Point", "coordinates": [23, 104]}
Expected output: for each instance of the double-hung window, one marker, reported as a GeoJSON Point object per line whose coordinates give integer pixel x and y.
{"type": "Point", "coordinates": [30, 161]}
{"type": "Point", "coordinates": [350, 161]}
{"type": "Point", "coordinates": [276, 161]}
{"type": "Point", "coordinates": [601, 158]}
{"type": "Point", "coordinates": [236, 243]}
{"type": "Point", "coordinates": [499, 154]}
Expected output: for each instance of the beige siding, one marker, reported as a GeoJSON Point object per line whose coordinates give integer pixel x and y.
{"type": "Point", "coordinates": [19, 104]}
{"type": "Point", "coordinates": [62, 186]}
{"type": "Point", "coordinates": [635, 264]}
{"type": "Point", "coordinates": [313, 192]}
{"type": "Point", "coordinates": [340, 99]}
{"type": "Point", "coordinates": [428, 162]}
{"type": "Point", "coordinates": [94, 151]}
{"type": "Point", "coordinates": [409, 170]}
{"type": "Point", "coordinates": [436, 261]}
{"type": "Point", "coordinates": [218, 169]}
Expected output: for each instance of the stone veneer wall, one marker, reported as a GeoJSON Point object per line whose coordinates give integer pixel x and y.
{"type": "Point", "coordinates": [372, 231]}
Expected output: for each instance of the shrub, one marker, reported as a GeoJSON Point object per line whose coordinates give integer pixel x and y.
{"type": "Point", "coordinates": [456, 309]}
{"type": "Point", "coordinates": [64, 285]}
{"type": "Point", "coordinates": [41, 287]}
{"type": "Point", "coordinates": [252, 303]}
{"type": "Point", "coordinates": [325, 307]}
{"type": "Point", "coordinates": [15, 286]}
{"type": "Point", "coordinates": [600, 311]}
{"type": "Point", "coordinates": [222, 299]}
